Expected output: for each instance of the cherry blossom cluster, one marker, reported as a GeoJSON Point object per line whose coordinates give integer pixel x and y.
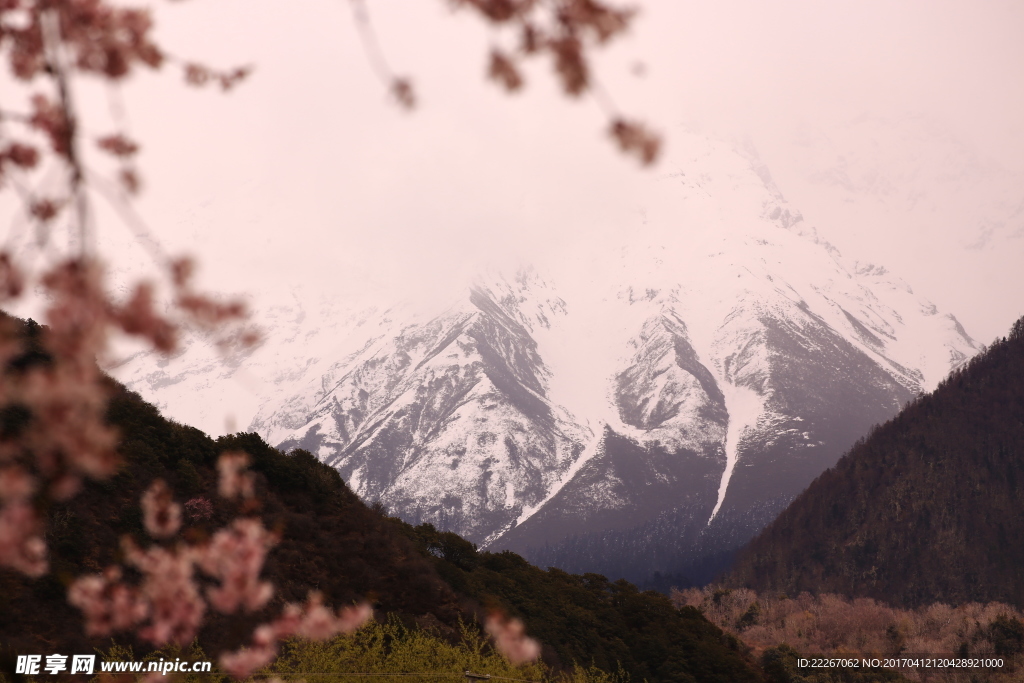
{"type": "Point", "coordinates": [160, 514]}
{"type": "Point", "coordinates": [234, 481]}
{"type": "Point", "coordinates": [510, 639]}
{"type": "Point", "coordinates": [52, 40]}
{"type": "Point", "coordinates": [312, 621]}
{"type": "Point", "coordinates": [559, 27]}
{"type": "Point", "coordinates": [235, 557]}
{"type": "Point", "coordinates": [21, 545]}
{"type": "Point", "coordinates": [62, 436]}
{"type": "Point", "coordinates": [199, 508]}
{"type": "Point", "coordinates": [563, 30]}
{"type": "Point", "coordinates": [167, 597]}
{"type": "Point", "coordinates": [168, 601]}
{"type": "Point", "coordinates": [167, 606]}
{"type": "Point", "coordinates": [108, 604]}
{"type": "Point", "coordinates": [175, 607]}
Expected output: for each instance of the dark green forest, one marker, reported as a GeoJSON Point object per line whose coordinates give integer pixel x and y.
{"type": "Point", "coordinates": [929, 507]}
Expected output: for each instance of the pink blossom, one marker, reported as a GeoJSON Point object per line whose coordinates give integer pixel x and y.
{"type": "Point", "coordinates": [138, 315]}
{"type": "Point", "coordinates": [234, 481]}
{"type": "Point", "coordinates": [313, 621]}
{"type": "Point", "coordinates": [175, 606]}
{"type": "Point", "coordinates": [199, 508]}
{"type": "Point", "coordinates": [320, 623]}
{"type": "Point", "coordinates": [78, 315]}
{"type": "Point", "coordinates": [243, 662]}
{"type": "Point", "coordinates": [108, 604]}
{"type": "Point", "coordinates": [67, 433]}
{"type": "Point", "coordinates": [21, 547]}
{"type": "Point", "coordinates": [12, 278]}
{"type": "Point", "coordinates": [162, 516]}
{"type": "Point", "coordinates": [235, 556]}
{"type": "Point", "coordinates": [16, 484]}
{"type": "Point", "coordinates": [510, 639]}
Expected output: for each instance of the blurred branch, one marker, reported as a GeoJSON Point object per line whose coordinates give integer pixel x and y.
{"type": "Point", "coordinates": [400, 87]}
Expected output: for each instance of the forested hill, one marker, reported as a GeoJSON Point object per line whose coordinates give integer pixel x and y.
{"type": "Point", "coordinates": [333, 543]}
{"type": "Point", "coordinates": [928, 508]}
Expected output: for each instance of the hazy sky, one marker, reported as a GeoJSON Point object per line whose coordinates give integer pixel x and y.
{"type": "Point", "coordinates": [893, 126]}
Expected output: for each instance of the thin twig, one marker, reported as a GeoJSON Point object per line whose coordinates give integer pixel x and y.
{"type": "Point", "coordinates": [52, 41]}
{"type": "Point", "coordinates": [115, 103]}
{"type": "Point", "coordinates": [24, 217]}
{"type": "Point", "coordinates": [370, 43]}
{"type": "Point", "coordinates": [20, 218]}
{"type": "Point", "coordinates": [603, 99]}
{"type": "Point", "coordinates": [400, 87]}
{"type": "Point", "coordinates": [115, 197]}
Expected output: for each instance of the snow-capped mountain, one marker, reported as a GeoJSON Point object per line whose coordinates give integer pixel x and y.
{"type": "Point", "coordinates": [644, 406]}
{"type": "Point", "coordinates": [444, 420]}
{"type": "Point", "coordinates": [921, 189]}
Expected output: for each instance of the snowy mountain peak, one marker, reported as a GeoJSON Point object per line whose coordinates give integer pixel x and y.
{"type": "Point", "coordinates": [679, 386]}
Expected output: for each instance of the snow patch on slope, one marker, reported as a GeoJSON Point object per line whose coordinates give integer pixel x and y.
{"type": "Point", "coordinates": [586, 456]}
{"type": "Point", "coordinates": [745, 406]}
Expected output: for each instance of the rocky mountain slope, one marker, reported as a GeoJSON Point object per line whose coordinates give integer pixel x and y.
{"type": "Point", "coordinates": [445, 420]}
